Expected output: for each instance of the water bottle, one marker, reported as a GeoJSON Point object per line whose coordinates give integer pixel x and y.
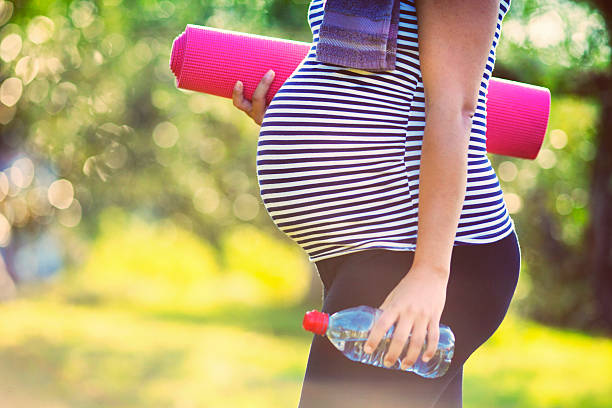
{"type": "Point", "coordinates": [349, 329]}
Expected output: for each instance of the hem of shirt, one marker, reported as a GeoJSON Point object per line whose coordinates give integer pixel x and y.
{"type": "Point", "coordinates": [472, 241]}
{"type": "Point", "coordinates": [385, 245]}
{"type": "Point", "coordinates": [412, 247]}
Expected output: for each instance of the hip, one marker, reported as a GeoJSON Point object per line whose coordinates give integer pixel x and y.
{"type": "Point", "coordinates": [474, 267]}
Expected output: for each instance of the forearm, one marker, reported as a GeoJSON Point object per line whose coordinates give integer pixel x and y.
{"type": "Point", "coordinates": [442, 186]}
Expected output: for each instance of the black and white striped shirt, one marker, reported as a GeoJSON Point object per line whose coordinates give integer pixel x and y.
{"type": "Point", "coordinates": [339, 151]}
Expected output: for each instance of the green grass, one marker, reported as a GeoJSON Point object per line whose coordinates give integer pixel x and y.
{"type": "Point", "coordinates": [155, 318]}
{"type": "Point", "coordinates": [93, 356]}
{"type": "Point", "coordinates": [56, 353]}
{"type": "Point", "coordinates": [526, 364]}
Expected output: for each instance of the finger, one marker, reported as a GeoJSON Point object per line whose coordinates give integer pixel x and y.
{"type": "Point", "coordinates": [259, 95]}
{"type": "Point", "coordinates": [379, 329]}
{"type": "Point", "coordinates": [399, 339]}
{"type": "Point", "coordinates": [416, 341]}
{"type": "Point", "coordinates": [433, 336]}
{"type": "Point", "coordinates": [238, 98]}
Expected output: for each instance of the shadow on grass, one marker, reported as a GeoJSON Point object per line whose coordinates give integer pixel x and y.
{"type": "Point", "coordinates": [274, 319]}
{"type": "Point", "coordinates": [277, 320]}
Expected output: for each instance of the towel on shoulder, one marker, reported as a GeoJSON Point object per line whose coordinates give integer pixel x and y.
{"type": "Point", "coordinates": [359, 34]}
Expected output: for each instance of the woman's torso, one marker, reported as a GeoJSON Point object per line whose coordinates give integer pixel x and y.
{"type": "Point", "coordinates": [338, 153]}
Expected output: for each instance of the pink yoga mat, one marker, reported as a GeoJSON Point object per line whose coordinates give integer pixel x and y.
{"type": "Point", "coordinates": [211, 60]}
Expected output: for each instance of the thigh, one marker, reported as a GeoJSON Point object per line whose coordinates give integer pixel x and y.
{"type": "Point", "coordinates": [452, 396]}
{"type": "Point", "coordinates": [333, 380]}
{"type": "Point", "coordinates": [481, 284]}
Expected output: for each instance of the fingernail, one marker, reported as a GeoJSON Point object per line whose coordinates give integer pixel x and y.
{"type": "Point", "coordinates": [426, 359]}
{"type": "Point", "coordinates": [269, 74]}
{"type": "Point", "coordinates": [238, 85]}
{"type": "Point", "coordinates": [388, 363]}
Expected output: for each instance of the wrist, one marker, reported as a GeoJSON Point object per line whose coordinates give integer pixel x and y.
{"type": "Point", "coordinates": [435, 256]}
{"type": "Point", "coordinates": [432, 268]}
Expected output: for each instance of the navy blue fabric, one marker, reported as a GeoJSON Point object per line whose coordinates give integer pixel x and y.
{"type": "Point", "coordinates": [482, 282]}
{"type": "Point", "coordinates": [339, 152]}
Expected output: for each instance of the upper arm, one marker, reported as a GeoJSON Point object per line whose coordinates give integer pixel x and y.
{"type": "Point", "coordinates": [455, 39]}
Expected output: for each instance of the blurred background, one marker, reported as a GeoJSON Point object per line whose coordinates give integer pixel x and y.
{"type": "Point", "coordinates": [139, 267]}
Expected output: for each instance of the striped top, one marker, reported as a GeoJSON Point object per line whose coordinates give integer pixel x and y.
{"type": "Point", "coordinates": [339, 150]}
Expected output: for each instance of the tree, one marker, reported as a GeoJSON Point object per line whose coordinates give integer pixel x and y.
{"type": "Point", "coordinates": [599, 232]}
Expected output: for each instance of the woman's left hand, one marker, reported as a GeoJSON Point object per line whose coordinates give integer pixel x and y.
{"type": "Point", "coordinates": [418, 301]}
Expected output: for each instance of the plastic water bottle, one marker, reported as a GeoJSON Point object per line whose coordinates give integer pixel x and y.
{"type": "Point", "coordinates": [349, 329]}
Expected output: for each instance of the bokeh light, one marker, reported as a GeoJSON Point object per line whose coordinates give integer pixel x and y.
{"type": "Point", "coordinates": [71, 216]}
{"type": "Point", "coordinates": [546, 29]}
{"type": "Point", "coordinates": [206, 200]}
{"type": "Point", "coordinates": [40, 29]}
{"type": "Point", "coordinates": [558, 138]}
{"type": "Point", "coordinates": [564, 204]}
{"type": "Point", "coordinates": [10, 91]}
{"type": "Point", "coordinates": [507, 171]}
{"type": "Point", "coordinates": [22, 172]}
{"type": "Point", "coordinates": [212, 150]}
{"type": "Point", "coordinates": [514, 202]}
{"type": "Point", "coordinates": [165, 134]}
{"type": "Point", "coordinates": [27, 68]}
{"type": "Point", "coordinates": [4, 185]}
{"type": "Point", "coordinates": [6, 11]}
{"type": "Point", "coordinates": [82, 13]}
{"type": "Point", "coordinates": [61, 193]}
{"type": "Point", "coordinates": [546, 158]}
{"type": "Point", "coordinates": [246, 206]}
{"type": "Point", "coordinates": [10, 46]}
{"type": "Point", "coordinates": [5, 231]}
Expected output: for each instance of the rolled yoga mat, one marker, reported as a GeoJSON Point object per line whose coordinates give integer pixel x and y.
{"type": "Point", "coordinates": [211, 60]}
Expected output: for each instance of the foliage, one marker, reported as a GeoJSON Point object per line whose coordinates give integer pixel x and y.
{"type": "Point", "coordinates": [91, 93]}
{"type": "Point", "coordinates": [185, 267]}
{"type": "Point", "coordinates": [160, 266]}
{"type": "Point", "coordinates": [281, 269]}
{"type": "Point", "coordinates": [85, 89]}
{"type": "Point", "coordinates": [549, 201]}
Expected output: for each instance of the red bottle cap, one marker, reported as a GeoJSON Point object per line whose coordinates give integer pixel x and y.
{"type": "Point", "coordinates": [316, 321]}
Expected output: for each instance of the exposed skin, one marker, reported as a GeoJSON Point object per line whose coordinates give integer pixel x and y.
{"type": "Point", "coordinates": [454, 42]}
{"type": "Point", "coordinates": [257, 106]}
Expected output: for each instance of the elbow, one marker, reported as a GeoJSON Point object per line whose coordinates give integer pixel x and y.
{"type": "Point", "coordinates": [463, 112]}
{"type": "Point", "coordinates": [468, 110]}
{"type": "Point", "coordinates": [451, 104]}
{"type": "Point", "coordinates": [466, 114]}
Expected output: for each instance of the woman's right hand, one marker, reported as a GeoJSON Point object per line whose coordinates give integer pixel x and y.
{"type": "Point", "coordinates": [257, 107]}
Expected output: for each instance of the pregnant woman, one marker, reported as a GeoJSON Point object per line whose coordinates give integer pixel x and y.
{"type": "Point", "coordinates": [383, 179]}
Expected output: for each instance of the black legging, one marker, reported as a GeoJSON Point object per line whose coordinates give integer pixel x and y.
{"type": "Point", "coordinates": [482, 281]}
